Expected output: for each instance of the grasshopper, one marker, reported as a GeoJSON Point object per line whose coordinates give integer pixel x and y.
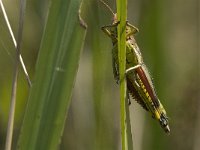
{"type": "Point", "coordinates": [139, 82]}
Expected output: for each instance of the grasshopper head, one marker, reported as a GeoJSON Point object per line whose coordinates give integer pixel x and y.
{"type": "Point", "coordinates": [115, 21]}
{"type": "Point", "coordinates": [164, 123]}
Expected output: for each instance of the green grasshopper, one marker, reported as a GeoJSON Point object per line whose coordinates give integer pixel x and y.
{"type": "Point", "coordinates": [139, 82]}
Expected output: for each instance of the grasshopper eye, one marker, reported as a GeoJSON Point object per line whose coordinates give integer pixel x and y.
{"type": "Point", "coordinates": [114, 20]}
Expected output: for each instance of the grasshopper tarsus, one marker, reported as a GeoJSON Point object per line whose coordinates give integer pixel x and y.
{"type": "Point", "coordinates": [128, 98]}
{"type": "Point", "coordinates": [129, 101]}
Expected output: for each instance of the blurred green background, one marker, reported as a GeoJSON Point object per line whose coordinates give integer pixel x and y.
{"type": "Point", "coordinates": [169, 40]}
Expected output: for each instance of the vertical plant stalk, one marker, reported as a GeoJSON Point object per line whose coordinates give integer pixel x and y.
{"type": "Point", "coordinates": [15, 43]}
{"type": "Point", "coordinates": [15, 77]}
{"type": "Point", "coordinates": [122, 17]}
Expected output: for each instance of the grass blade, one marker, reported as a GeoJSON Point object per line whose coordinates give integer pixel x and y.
{"type": "Point", "coordinates": [15, 77]}
{"type": "Point", "coordinates": [126, 137]}
{"type": "Point", "coordinates": [56, 70]}
{"type": "Point", "coordinates": [15, 42]}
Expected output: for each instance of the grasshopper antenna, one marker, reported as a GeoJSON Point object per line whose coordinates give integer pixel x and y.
{"type": "Point", "coordinates": [107, 7]}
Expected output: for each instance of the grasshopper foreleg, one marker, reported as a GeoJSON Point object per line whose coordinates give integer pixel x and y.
{"type": "Point", "coordinates": [107, 30]}
{"type": "Point", "coordinates": [133, 29]}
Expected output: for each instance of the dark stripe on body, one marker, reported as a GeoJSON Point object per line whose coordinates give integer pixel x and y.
{"type": "Point", "coordinates": [148, 87]}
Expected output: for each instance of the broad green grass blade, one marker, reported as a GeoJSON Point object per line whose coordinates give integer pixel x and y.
{"type": "Point", "coordinates": [55, 74]}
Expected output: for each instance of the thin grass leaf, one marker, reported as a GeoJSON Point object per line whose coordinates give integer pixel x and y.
{"type": "Point", "coordinates": [9, 135]}
{"type": "Point", "coordinates": [14, 42]}
{"type": "Point", "coordinates": [56, 70]}
{"type": "Point", "coordinates": [124, 116]}
{"type": "Point", "coordinates": [128, 124]}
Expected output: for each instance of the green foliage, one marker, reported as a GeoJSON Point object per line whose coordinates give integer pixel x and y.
{"type": "Point", "coordinates": [168, 40]}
